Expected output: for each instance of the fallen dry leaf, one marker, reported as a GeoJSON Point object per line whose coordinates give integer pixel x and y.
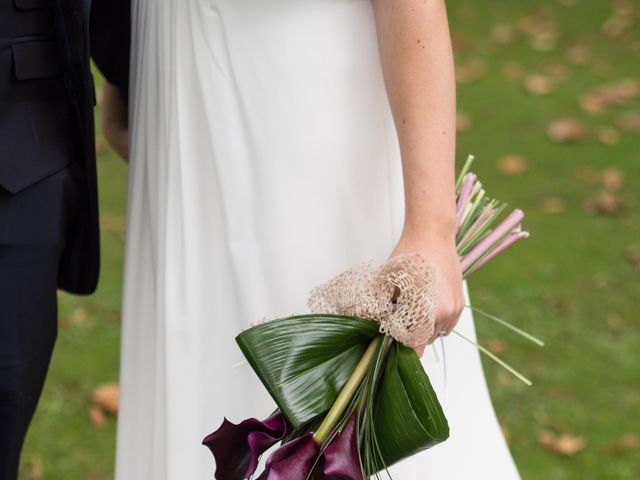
{"type": "Point", "coordinates": [603, 202]}
{"type": "Point", "coordinates": [544, 41]}
{"type": "Point", "coordinates": [505, 433]}
{"type": "Point", "coordinates": [498, 346]}
{"type": "Point", "coordinates": [612, 178]}
{"type": "Point", "coordinates": [629, 122]}
{"type": "Point", "coordinates": [553, 205]}
{"type": "Point", "coordinates": [107, 397]}
{"type": "Point", "coordinates": [78, 316]}
{"type": "Point", "coordinates": [512, 71]}
{"type": "Point", "coordinates": [538, 84]}
{"type": "Point", "coordinates": [608, 135]}
{"type": "Point", "coordinates": [633, 256]}
{"type": "Point", "coordinates": [629, 441]}
{"type": "Point", "coordinates": [463, 122]}
{"type": "Point", "coordinates": [620, 21]}
{"type": "Point", "coordinates": [101, 145]}
{"type": "Point", "coordinates": [566, 130]}
{"type": "Point", "coordinates": [601, 98]}
{"type": "Point", "coordinates": [565, 444]}
{"type": "Point", "coordinates": [503, 33]}
{"type": "Point", "coordinates": [579, 55]}
{"type": "Point", "coordinates": [512, 164]}
{"type": "Point", "coordinates": [557, 71]}
{"type": "Point", "coordinates": [34, 471]}
{"type": "Point", "coordinates": [470, 71]}
{"type": "Point", "coordinates": [96, 414]}
{"type": "Point", "coordinates": [113, 223]}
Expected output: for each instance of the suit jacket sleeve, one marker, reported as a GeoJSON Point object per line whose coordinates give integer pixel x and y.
{"type": "Point", "coordinates": [110, 38]}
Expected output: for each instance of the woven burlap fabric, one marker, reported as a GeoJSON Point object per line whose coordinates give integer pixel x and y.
{"type": "Point", "coordinates": [400, 295]}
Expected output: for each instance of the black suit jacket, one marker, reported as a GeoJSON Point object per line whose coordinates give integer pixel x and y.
{"type": "Point", "coordinates": [47, 97]}
{"type": "Point", "coordinates": [81, 32]}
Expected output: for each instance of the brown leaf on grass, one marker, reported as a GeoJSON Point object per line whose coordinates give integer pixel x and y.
{"type": "Point", "coordinates": [78, 316]}
{"type": "Point", "coordinates": [470, 71]}
{"type": "Point", "coordinates": [565, 444]}
{"type": "Point", "coordinates": [608, 135]}
{"type": "Point", "coordinates": [621, 20]}
{"type": "Point", "coordinates": [505, 433]}
{"type": "Point", "coordinates": [99, 96]}
{"type": "Point", "coordinates": [553, 205]}
{"type": "Point", "coordinates": [579, 54]}
{"type": "Point", "coordinates": [101, 145]}
{"type": "Point", "coordinates": [629, 441]}
{"type": "Point", "coordinates": [602, 98]}
{"type": "Point", "coordinates": [34, 471]}
{"type": "Point", "coordinates": [538, 84]}
{"type": "Point", "coordinates": [604, 202]}
{"type": "Point", "coordinates": [463, 122]}
{"type": "Point", "coordinates": [112, 223]}
{"type": "Point", "coordinates": [633, 256]}
{"type": "Point", "coordinates": [498, 346]}
{"type": "Point", "coordinates": [512, 71]}
{"type": "Point", "coordinates": [512, 164]}
{"type": "Point", "coordinates": [557, 71]}
{"type": "Point", "coordinates": [544, 41]}
{"type": "Point", "coordinates": [505, 378]}
{"type": "Point", "coordinates": [612, 178]}
{"type": "Point", "coordinates": [566, 130]}
{"type": "Point", "coordinates": [107, 397]}
{"type": "Point", "coordinates": [97, 417]}
{"type": "Point", "coordinates": [629, 122]}
{"type": "Point", "coordinates": [503, 33]}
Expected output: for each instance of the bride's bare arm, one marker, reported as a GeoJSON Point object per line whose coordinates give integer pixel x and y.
{"type": "Point", "coordinates": [417, 61]}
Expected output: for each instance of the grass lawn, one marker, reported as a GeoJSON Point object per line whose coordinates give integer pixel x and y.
{"type": "Point", "coordinates": [576, 282]}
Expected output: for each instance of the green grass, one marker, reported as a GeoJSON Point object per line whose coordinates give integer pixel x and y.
{"type": "Point", "coordinates": [571, 283]}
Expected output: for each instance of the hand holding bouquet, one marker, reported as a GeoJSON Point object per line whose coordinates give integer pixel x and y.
{"type": "Point", "coordinates": [352, 395]}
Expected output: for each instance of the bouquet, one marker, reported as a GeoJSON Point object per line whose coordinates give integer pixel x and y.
{"type": "Point", "coordinates": [352, 395]}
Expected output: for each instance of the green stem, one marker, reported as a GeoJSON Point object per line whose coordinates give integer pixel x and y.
{"type": "Point", "coordinates": [346, 394]}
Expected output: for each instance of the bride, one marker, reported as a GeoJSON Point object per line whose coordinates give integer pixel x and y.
{"type": "Point", "coordinates": [274, 144]}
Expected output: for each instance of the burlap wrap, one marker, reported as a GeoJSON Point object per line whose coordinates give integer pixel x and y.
{"type": "Point", "coordinates": [399, 295]}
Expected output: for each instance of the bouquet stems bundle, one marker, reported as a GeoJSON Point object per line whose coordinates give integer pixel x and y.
{"type": "Point", "coordinates": [352, 401]}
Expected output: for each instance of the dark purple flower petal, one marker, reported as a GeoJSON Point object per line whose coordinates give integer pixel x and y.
{"type": "Point", "coordinates": [293, 460]}
{"type": "Point", "coordinates": [341, 458]}
{"type": "Point", "coordinates": [237, 448]}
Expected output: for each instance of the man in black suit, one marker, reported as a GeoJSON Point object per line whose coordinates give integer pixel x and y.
{"type": "Point", "coordinates": [49, 234]}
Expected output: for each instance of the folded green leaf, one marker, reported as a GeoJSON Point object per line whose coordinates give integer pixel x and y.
{"type": "Point", "coordinates": [407, 414]}
{"type": "Point", "coordinates": [304, 361]}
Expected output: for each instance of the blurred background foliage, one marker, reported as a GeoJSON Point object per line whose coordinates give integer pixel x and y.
{"type": "Point", "coordinates": [549, 102]}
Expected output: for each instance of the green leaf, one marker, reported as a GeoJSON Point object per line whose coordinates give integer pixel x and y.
{"type": "Point", "coordinates": [304, 361]}
{"type": "Point", "coordinates": [407, 415]}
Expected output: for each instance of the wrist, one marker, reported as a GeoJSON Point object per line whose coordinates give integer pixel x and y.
{"type": "Point", "coordinates": [439, 227]}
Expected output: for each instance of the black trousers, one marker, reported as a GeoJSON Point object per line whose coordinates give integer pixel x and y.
{"type": "Point", "coordinates": [34, 225]}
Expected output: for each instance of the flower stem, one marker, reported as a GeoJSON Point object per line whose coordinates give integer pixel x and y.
{"type": "Point", "coordinates": [346, 394]}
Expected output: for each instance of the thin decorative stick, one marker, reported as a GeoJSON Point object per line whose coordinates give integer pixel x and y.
{"type": "Point", "coordinates": [526, 335]}
{"type": "Point", "coordinates": [463, 172]}
{"type": "Point", "coordinates": [496, 359]}
{"type": "Point", "coordinates": [240, 364]}
{"type": "Point", "coordinates": [492, 238]}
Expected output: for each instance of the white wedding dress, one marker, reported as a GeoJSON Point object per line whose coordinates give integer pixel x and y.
{"type": "Point", "coordinates": [263, 162]}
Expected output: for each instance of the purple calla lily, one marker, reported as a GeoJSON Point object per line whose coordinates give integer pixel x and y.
{"type": "Point", "coordinates": [293, 460]}
{"type": "Point", "coordinates": [237, 448]}
{"type": "Point", "coordinates": [341, 459]}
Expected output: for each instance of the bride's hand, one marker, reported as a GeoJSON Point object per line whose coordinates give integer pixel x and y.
{"type": "Point", "coordinates": [441, 252]}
